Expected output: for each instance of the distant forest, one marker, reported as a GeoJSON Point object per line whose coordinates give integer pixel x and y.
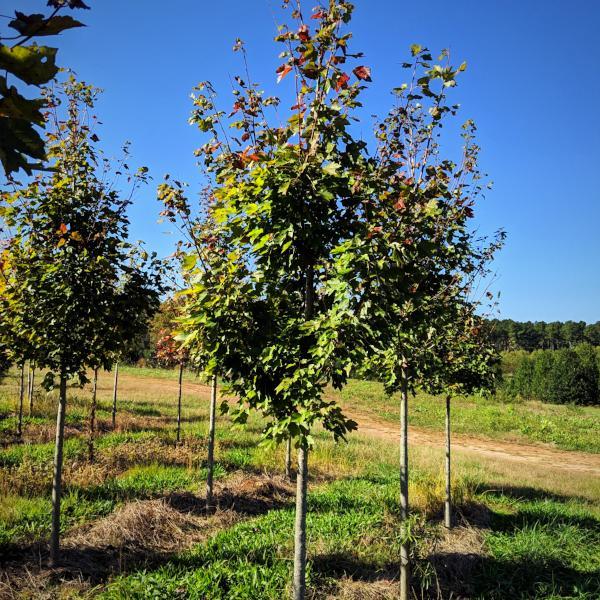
{"type": "Point", "coordinates": [507, 334]}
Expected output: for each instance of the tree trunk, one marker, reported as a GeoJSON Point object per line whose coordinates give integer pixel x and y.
{"type": "Point", "coordinates": [302, 475]}
{"type": "Point", "coordinates": [404, 548]}
{"type": "Point", "coordinates": [57, 475]}
{"type": "Point", "coordinates": [448, 503]}
{"type": "Point", "coordinates": [21, 395]}
{"type": "Point", "coordinates": [92, 428]}
{"type": "Point", "coordinates": [300, 528]}
{"type": "Point", "coordinates": [31, 388]}
{"type": "Point", "coordinates": [288, 459]}
{"type": "Point", "coordinates": [210, 463]}
{"type": "Point", "coordinates": [179, 402]}
{"type": "Point", "coordinates": [115, 387]}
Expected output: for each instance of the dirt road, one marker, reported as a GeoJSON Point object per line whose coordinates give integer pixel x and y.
{"type": "Point", "coordinates": [540, 455]}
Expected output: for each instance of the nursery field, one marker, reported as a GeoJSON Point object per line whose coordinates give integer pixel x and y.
{"type": "Point", "coordinates": [527, 498]}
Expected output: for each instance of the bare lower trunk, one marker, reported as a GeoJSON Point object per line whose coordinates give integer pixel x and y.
{"type": "Point", "coordinates": [115, 387]}
{"type": "Point", "coordinates": [288, 459]}
{"type": "Point", "coordinates": [57, 475]}
{"type": "Point", "coordinates": [31, 388]}
{"type": "Point", "coordinates": [300, 528]}
{"type": "Point", "coordinates": [210, 463]}
{"type": "Point", "coordinates": [92, 428]}
{"type": "Point", "coordinates": [302, 475]}
{"type": "Point", "coordinates": [448, 502]}
{"type": "Point", "coordinates": [179, 403]}
{"type": "Point", "coordinates": [21, 395]}
{"type": "Point", "coordinates": [404, 548]}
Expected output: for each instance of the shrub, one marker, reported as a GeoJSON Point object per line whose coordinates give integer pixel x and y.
{"type": "Point", "coordinates": [565, 376]}
{"type": "Point", "coordinates": [543, 365]}
{"type": "Point", "coordinates": [574, 378]}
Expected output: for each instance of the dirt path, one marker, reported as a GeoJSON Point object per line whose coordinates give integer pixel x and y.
{"type": "Point", "coordinates": [540, 455]}
{"type": "Point", "coordinates": [535, 455]}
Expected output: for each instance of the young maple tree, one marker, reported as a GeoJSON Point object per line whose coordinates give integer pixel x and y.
{"type": "Point", "coordinates": [14, 347]}
{"type": "Point", "coordinates": [331, 253]}
{"type": "Point", "coordinates": [275, 316]}
{"type": "Point", "coordinates": [203, 255]}
{"type": "Point", "coordinates": [419, 252]}
{"type": "Point", "coordinates": [170, 353]}
{"type": "Point", "coordinates": [463, 362]}
{"type": "Point", "coordinates": [76, 288]}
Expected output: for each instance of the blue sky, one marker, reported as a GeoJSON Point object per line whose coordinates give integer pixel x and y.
{"type": "Point", "coordinates": [532, 86]}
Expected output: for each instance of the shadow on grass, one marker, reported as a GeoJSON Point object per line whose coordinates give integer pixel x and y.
{"type": "Point", "coordinates": [470, 575]}
{"type": "Point", "coordinates": [337, 565]}
{"type": "Point", "coordinates": [527, 493]}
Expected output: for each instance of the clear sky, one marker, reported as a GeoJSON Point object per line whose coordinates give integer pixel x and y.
{"type": "Point", "coordinates": [532, 86]}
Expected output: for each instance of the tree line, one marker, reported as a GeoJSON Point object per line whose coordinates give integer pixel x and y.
{"type": "Point", "coordinates": [506, 334]}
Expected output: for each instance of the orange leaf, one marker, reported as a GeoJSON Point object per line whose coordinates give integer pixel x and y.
{"type": "Point", "coordinates": [342, 82]}
{"type": "Point", "coordinates": [363, 73]}
{"type": "Point", "coordinates": [283, 71]}
{"type": "Point", "coordinates": [303, 33]}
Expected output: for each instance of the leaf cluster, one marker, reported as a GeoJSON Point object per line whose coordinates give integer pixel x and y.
{"type": "Point", "coordinates": [25, 63]}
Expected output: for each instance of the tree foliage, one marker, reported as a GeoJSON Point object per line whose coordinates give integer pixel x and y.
{"type": "Point", "coordinates": [75, 289]}
{"type": "Point", "coordinates": [565, 376]}
{"type": "Point", "coordinates": [24, 63]}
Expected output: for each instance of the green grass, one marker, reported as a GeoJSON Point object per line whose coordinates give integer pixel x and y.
{"type": "Point", "coordinates": [568, 427]}
{"type": "Point", "coordinates": [535, 549]}
{"type": "Point", "coordinates": [539, 536]}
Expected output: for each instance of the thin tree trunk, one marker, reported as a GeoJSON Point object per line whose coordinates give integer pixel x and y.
{"type": "Point", "coordinates": [448, 503]}
{"type": "Point", "coordinates": [21, 395]}
{"type": "Point", "coordinates": [302, 475]}
{"type": "Point", "coordinates": [179, 402]}
{"type": "Point", "coordinates": [211, 444]}
{"type": "Point", "coordinates": [57, 475]}
{"type": "Point", "coordinates": [31, 388]}
{"type": "Point", "coordinates": [92, 428]}
{"type": "Point", "coordinates": [404, 549]}
{"type": "Point", "coordinates": [115, 387]}
{"type": "Point", "coordinates": [288, 459]}
{"type": "Point", "coordinates": [300, 528]}
{"type": "Point", "coordinates": [28, 388]}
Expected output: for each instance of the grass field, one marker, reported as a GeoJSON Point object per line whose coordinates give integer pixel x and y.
{"type": "Point", "coordinates": [134, 526]}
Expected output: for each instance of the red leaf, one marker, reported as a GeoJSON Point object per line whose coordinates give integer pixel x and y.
{"type": "Point", "coordinates": [283, 70]}
{"type": "Point", "coordinates": [63, 228]}
{"type": "Point", "coordinates": [342, 82]}
{"type": "Point", "coordinates": [319, 15]}
{"type": "Point", "coordinates": [245, 137]}
{"type": "Point", "coordinates": [303, 33]}
{"type": "Point", "coordinates": [400, 204]}
{"type": "Point", "coordinates": [363, 73]}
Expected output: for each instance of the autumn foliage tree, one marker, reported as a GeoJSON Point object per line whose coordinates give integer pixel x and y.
{"type": "Point", "coordinates": [76, 287]}
{"type": "Point", "coordinates": [419, 253]}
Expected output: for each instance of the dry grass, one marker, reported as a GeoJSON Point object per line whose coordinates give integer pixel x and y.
{"type": "Point", "coordinates": [350, 589]}
{"type": "Point", "coordinates": [140, 534]}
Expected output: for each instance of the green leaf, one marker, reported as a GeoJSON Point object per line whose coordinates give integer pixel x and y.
{"type": "Point", "coordinates": [35, 65]}
{"type": "Point", "coordinates": [332, 168]}
{"type": "Point", "coordinates": [37, 25]}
